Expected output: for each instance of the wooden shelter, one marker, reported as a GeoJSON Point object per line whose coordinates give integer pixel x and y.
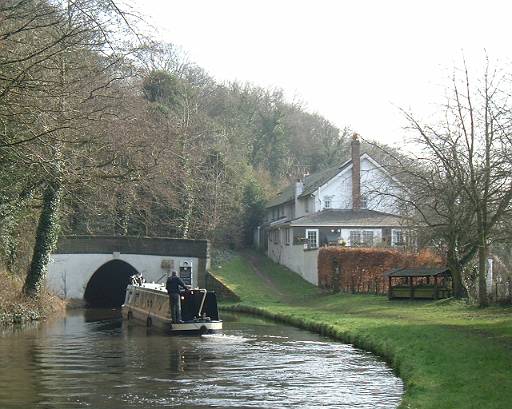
{"type": "Point", "coordinates": [420, 282]}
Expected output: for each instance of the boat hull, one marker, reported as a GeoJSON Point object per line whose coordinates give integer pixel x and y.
{"type": "Point", "coordinates": [150, 306]}
{"type": "Point", "coordinates": [154, 320]}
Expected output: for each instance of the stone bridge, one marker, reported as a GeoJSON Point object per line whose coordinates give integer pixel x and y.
{"type": "Point", "coordinates": [97, 269]}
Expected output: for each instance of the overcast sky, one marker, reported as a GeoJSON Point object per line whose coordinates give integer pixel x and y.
{"type": "Point", "coordinates": [354, 62]}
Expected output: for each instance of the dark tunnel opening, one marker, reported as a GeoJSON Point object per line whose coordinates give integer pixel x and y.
{"type": "Point", "coordinates": [107, 286]}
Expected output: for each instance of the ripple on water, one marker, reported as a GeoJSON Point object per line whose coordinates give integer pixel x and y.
{"type": "Point", "coordinates": [107, 365]}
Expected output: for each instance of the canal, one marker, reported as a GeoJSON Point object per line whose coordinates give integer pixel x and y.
{"type": "Point", "coordinates": [91, 359]}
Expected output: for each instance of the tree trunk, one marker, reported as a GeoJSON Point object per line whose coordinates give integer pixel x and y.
{"type": "Point", "coordinates": [456, 269]}
{"type": "Point", "coordinates": [482, 275]}
{"type": "Point", "coordinates": [46, 238]}
{"type": "Point", "coordinates": [189, 208]}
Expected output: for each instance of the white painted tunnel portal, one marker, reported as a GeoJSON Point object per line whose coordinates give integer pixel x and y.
{"type": "Point", "coordinates": [96, 269]}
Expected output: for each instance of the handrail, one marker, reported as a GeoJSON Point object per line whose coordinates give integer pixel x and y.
{"type": "Point", "coordinates": [202, 302]}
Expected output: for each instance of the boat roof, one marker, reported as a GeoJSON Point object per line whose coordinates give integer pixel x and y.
{"type": "Point", "coordinates": [153, 286]}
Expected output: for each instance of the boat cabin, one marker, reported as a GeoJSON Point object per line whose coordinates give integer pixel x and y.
{"type": "Point", "coordinates": [420, 282]}
{"type": "Point", "coordinates": [149, 303]}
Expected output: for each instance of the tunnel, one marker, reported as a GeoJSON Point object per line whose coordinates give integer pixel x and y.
{"type": "Point", "coordinates": [107, 286]}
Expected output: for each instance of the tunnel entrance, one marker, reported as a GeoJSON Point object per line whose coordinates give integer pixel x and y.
{"type": "Point", "coordinates": [107, 286]}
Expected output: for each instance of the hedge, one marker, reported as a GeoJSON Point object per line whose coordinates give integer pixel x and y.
{"type": "Point", "coordinates": [361, 270]}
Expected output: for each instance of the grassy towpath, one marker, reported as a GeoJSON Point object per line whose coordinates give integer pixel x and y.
{"type": "Point", "coordinates": [449, 355]}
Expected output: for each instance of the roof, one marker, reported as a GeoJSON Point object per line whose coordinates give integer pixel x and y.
{"type": "Point", "coordinates": [311, 183]}
{"type": "Point", "coordinates": [286, 195]}
{"type": "Point", "coordinates": [418, 272]}
{"type": "Point", "coordinates": [315, 180]}
{"type": "Point", "coordinates": [349, 217]}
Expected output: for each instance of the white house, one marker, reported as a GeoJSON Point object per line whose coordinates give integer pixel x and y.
{"type": "Point", "coordinates": [351, 204]}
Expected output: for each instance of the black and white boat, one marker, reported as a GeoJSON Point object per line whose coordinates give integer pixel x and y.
{"type": "Point", "coordinates": [149, 304]}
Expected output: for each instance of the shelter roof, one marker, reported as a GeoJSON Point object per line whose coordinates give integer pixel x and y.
{"type": "Point", "coordinates": [418, 272]}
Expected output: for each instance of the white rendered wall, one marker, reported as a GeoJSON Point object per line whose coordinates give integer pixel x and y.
{"type": "Point", "coordinates": [339, 188]}
{"type": "Point", "coordinates": [68, 274]}
{"type": "Point", "coordinates": [378, 187]}
{"type": "Point", "coordinates": [373, 181]}
{"type": "Point", "coordinates": [302, 262]}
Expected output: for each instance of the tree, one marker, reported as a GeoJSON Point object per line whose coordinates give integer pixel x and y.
{"type": "Point", "coordinates": [462, 183]}
{"type": "Point", "coordinates": [59, 73]}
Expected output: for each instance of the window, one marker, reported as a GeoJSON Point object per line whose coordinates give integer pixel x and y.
{"type": "Point", "coordinates": [306, 205]}
{"type": "Point", "coordinates": [312, 238]}
{"type": "Point", "coordinates": [368, 238]}
{"type": "Point", "coordinates": [327, 202]}
{"type": "Point", "coordinates": [287, 236]}
{"type": "Point", "coordinates": [355, 238]}
{"type": "Point", "coordinates": [397, 238]}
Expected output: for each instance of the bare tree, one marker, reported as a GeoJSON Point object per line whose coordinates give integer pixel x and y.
{"type": "Point", "coordinates": [59, 75]}
{"type": "Point", "coordinates": [461, 183]}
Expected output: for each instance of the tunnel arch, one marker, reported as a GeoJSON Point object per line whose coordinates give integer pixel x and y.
{"type": "Point", "coordinates": [107, 286]}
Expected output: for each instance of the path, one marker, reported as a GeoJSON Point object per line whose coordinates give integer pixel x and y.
{"type": "Point", "coordinates": [254, 263]}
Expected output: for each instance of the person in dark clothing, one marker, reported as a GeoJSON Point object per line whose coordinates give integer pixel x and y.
{"type": "Point", "coordinates": [173, 285]}
{"type": "Point", "coordinates": [137, 279]}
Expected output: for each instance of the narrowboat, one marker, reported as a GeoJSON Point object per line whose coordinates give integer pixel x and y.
{"type": "Point", "coordinates": [149, 304]}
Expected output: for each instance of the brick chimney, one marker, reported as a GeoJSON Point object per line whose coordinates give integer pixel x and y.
{"type": "Point", "coordinates": [356, 172]}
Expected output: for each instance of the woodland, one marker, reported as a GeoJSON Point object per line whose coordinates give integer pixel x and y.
{"type": "Point", "coordinates": [104, 130]}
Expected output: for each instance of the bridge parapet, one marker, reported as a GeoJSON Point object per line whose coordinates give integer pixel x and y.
{"type": "Point", "coordinates": [156, 246]}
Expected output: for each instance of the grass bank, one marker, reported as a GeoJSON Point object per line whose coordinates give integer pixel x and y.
{"type": "Point", "coordinates": [450, 355]}
{"type": "Point", "coordinates": [15, 308]}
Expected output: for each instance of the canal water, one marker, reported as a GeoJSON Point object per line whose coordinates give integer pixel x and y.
{"type": "Point", "coordinates": [91, 359]}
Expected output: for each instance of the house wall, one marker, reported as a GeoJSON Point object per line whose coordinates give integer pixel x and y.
{"type": "Point", "coordinates": [303, 262]}
{"type": "Point", "coordinates": [339, 189]}
{"type": "Point", "coordinates": [284, 211]}
{"type": "Point", "coordinates": [329, 235]}
{"type": "Point", "coordinates": [373, 180]}
{"type": "Point", "coordinates": [305, 203]}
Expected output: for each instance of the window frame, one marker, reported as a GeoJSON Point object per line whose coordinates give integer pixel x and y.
{"type": "Point", "coordinates": [353, 243]}
{"type": "Point", "coordinates": [398, 233]}
{"type": "Point", "coordinates": [364, 241]}
{"type": "Point", "coordinates": [308, 241]}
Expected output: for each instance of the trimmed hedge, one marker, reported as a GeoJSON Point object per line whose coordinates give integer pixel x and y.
{"type": "Point", "coordinates": [361, 270]}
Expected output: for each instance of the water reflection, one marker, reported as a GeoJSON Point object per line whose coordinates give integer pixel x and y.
{"type": "Point", "coordinates": [93, 359]}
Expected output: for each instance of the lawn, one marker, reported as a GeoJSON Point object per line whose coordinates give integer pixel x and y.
{"type": "Point", "coordinates": [449, 354]}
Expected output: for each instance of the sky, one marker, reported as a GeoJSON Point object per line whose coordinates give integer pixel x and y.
{"type": "Point", "coordinates": [357, 63]}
